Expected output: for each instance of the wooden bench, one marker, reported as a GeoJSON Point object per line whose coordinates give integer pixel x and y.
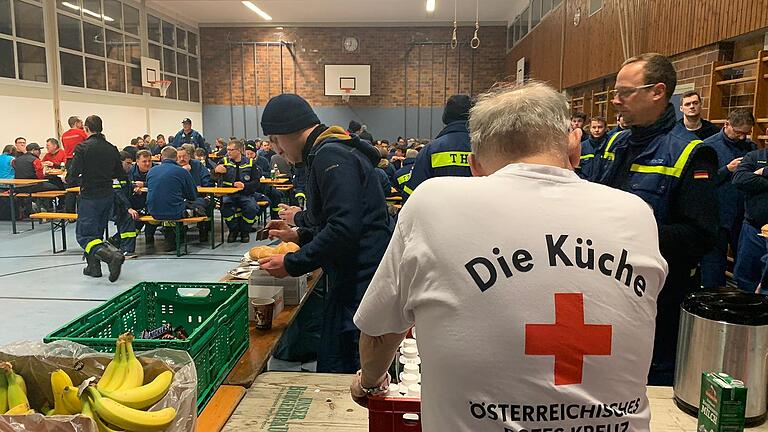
{"type": "Point", "coordinates": [58, 221]}
{"type": "Point", "coordinates": [178, 224]}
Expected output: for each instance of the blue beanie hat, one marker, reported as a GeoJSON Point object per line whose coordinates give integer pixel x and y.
{"type": "Point", "coordinates": [287, 113]}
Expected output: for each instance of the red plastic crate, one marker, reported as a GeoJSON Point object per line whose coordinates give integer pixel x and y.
{"type": "Point", "coordinates": [385, 414]}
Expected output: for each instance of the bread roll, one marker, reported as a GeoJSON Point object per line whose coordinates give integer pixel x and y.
{"type": "Point", "coordinates": [284, 248]}
{"type": "Point", "coordinates": [260, 252]}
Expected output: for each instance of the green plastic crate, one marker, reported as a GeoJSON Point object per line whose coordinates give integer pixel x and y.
{"type": "Point", "coordinates": [217, 325]}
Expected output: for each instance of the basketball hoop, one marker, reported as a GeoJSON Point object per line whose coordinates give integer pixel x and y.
{"type": "Point", "coordinates": [161, 85]}
{"type": "Point", "coordinates": [347, 92]}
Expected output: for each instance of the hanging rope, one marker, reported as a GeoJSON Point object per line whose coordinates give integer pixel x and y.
{"type": "Point", "coordinates": [454, 38]}
{"type": "Point", "coordinates": [475, 44]}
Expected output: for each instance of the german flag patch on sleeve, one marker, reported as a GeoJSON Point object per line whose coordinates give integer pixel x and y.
{"type": "Point", "coordinates": [700, 175]}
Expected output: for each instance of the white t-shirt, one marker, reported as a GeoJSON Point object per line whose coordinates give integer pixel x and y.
{"type": "Point", "coordinates": [507, 356]}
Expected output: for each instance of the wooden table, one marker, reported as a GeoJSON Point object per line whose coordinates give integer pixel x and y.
{"type": "Point", "coordinates": [322, 403]}
{"type": "Point", "coordinates": [277, 181]}
{"type": "Point", "coordinates": [263, 342]}
{"type": "Point", "coordinates": [312, 402]}
{"type": "Point", "coordinates": [12, 185]}
{"type": "Point", "coordinates": [394, 198]}
{"type": "Point", "coordinates": [213, 192]}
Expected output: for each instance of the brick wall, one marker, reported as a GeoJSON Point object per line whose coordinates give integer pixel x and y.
{"type": "Point", "coordinates": [442, 72]}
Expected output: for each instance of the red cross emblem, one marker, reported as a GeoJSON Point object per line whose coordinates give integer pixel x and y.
{"type": "Point", "coordinates": [568, 339]}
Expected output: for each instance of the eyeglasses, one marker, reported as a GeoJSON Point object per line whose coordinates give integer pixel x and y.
{"type": "Point", "coordinates": [625, 92]}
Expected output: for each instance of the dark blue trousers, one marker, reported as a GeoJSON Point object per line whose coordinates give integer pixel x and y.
{"type": "Point", "coordinates": [243, 219]}
{"type": "Point", "coordinates": [749, 265]}
{"type": "Point", "coordinates": [93, 215]}
{"type": "Point", "coordinates": [715, 263]}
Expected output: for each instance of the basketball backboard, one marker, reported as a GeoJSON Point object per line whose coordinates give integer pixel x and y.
{"type": "Point", "coordinates": [355, 79]}
{"type": "Point", "coordinates": [150, 71]}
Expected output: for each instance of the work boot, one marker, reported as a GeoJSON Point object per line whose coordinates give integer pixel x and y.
{"type": "Point", "coordinates": [93, 267]}
{"type": "Point", "coordinates": [245, 237]}
{"type": "Point", "coordinates": [232, 236]}
{"type": "Point", "coordinates": [114, 259]}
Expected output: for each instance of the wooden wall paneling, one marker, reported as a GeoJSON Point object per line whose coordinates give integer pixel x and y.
{"type": "Point", "coordinates": [668, 26]}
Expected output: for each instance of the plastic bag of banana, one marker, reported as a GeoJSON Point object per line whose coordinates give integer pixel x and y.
{"type": "Point", "coordinates": [48, 384]}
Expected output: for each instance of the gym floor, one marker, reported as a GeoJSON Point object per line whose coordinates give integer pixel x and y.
{"type": "Point", "coordinates": [40, 292]}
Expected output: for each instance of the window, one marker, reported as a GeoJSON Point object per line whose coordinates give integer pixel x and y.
{"type": "Point", "coordinates": [155, 52]}
{"type": "Point", "coordinates": [524, 22]}
{"type": "Point", "coordinates": [93, 39]}
{"type": "Point", "coordinates": [181, 64]}
{"type": "Point", "coordinates": [116, 77]}
{"type": "Point", "coordinates": [194, 91]}
{"type": "Point", "coordinates": [113, 13]}
{"type": "Point", "coordinates": [168, 34]}
{"type": "Point", "coordinates": [133, 50]}
{"type": "Point", "coordinates": [109, 50]}
{"type": "Point", "coordinates": [535, 13]}
{"type": "Point", "coordinates": [115, 46]}
{"type": "Point", "coordinates": [153, 28]}
{"type": "Point", "coordinates": [72, 70]}
{"type": "Point", "coordinates": [169, 60]}
{"type": "Point", "coordinates": [29, 21]}
{"type": "Point", "coordinates": [595, 5]}
{"type": "Point", "coordinates": [183, 89]}
{"type": "Point", "coordinates": [546, 6]}
{"type": "Point", "coordinates": [192, 43]}
{"type": "Point", "coordinates": [95, 75]}
{"type": "Point", "coordinates": [131, 16]}
{"type": "Point", "coordinates": [193, 69]}
{"type": "Point", "coordinates": [69, 32]}
{"type": "Point", "coordinates": [181, 39]}
{"type": "Point", "coordinates": [5, 17]}
{"type": "Point", "coordinates": [8, 65]}
{"type": "Point", "coordinates": [22, 41]}
{"type": "Point", "coordinates": [177, 49]}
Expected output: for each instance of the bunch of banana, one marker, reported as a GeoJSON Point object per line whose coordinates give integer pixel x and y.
{"type": "Point", "coordinates": [120, 397]}
{"type": "Point", "coordinates": [13, 392]}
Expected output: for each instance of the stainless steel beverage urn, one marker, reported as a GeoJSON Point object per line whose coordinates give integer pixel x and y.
{"type": "Point", "coordinates": [723, 332]}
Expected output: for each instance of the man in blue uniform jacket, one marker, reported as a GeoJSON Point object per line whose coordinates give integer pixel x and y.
{"type": "Point", "coordinates": [169, 188]}
{"type": "Point", "coordinates": [668, 167]}
{"type": "Point", "coordinates": [448, 153]}
{"type": "Point", "coordinates": [347, 225]}
{"type": "Point", "coordinates": [187, 135]}
{"type": "Point", "coordinates": [731, 144]}
{"type": "Point", "coordinates": [404, 173]}
{"type": "Point", "coordinates": [592, 148]}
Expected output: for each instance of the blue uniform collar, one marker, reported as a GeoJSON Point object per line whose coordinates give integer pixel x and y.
{"type": "Point", "coordinates": [453, 127]}
{"type": "Point", "coordinates": [662, 125]}
{"type": "Point", "coordinates": [744, 145]}
{"type": "Point", "coordinates": [169, 161]}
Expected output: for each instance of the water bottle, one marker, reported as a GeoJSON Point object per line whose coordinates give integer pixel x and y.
{"type": "Point", "coordinates": [274, 172]}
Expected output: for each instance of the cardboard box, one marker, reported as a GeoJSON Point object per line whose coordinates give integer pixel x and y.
{"type": "Point", "coordinates": [723, 403]}
{"type": "Point", "coordinates": [294, 288]}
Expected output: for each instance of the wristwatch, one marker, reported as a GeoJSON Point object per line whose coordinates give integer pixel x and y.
{"type": "Point", "coordinates": [372, 391]}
